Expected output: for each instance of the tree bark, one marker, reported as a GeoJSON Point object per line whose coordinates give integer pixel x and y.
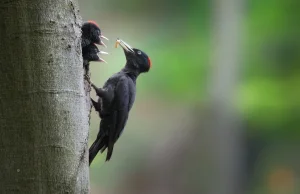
{"type": "Point", "coordinates": [44, 109]}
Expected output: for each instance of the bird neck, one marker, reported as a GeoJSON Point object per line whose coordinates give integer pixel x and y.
{"type": "Point", "coordinates": [131, 72]}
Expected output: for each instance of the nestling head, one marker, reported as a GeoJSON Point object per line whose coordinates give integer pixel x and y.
{"type": "Point", "coordinates": [92, 53]}
{"type": "Point", "coordinates": [92, 30]}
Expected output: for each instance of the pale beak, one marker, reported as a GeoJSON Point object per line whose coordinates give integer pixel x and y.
{"type": "Point", "coordinates": [103, 53]}
{"type": "Point", "coordinates": [104, 37]}
{"type": "Point", "coordinates": [102, 60]}
{"type": "Point", "coordinates": [102, 43]}
{"type": "Point", "coordinates": [124, 45]}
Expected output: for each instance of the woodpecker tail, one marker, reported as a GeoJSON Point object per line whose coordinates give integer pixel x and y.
{"type": "Point", "coordinates": [110, 149]}
{"type": "Point", "coordinates": [100, 143]}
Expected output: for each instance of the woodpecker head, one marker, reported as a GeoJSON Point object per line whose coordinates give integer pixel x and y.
{"type": "Point", "coordinates": [91, 31]}
{"type": "Point", "coordinates": [92, 54]}
{"type": "Point", "coordinates": [136, 59]}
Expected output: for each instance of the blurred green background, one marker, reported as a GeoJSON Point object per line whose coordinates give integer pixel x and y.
{"type": "Point", "coordinates": [176, 135]}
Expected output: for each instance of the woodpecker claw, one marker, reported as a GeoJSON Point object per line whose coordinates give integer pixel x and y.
{"type": "Point", "coordinates": [93, 85]}
{"type": "Point", "coordinates": [88, 79]}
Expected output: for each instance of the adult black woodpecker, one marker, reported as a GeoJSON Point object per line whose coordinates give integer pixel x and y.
{"type": "Point", "coordinates": [116, 99]}
{"type": "Point", "coordinates": [91, 53]}
{"type": "Point", "coordinates": [91, 33]}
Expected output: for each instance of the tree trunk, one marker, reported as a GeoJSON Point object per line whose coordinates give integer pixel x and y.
{"type": "Point", "coordinates": [44, 110]}
{"type": "Point", "coordinates": [223, 123]}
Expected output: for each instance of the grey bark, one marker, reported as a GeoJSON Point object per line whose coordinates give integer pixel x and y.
{"type": "Point", "coordinates": [44, 110]}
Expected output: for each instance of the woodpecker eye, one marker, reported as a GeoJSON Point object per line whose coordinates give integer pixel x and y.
{"type": "Point", "coordinates": [139, 52]}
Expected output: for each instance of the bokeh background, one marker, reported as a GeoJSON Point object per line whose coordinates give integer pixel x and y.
{"type": "Point", "coordinates": [219, 110]}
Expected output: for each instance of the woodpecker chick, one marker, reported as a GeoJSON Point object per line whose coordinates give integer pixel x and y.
{"type": "Point", "coordinates": [116, 99]}
{"type": "Point", "coordinates": [91, 53]}
{"type": "Point", "coordinates": [91, 33]}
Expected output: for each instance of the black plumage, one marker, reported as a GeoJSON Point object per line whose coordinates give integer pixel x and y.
{"type": "Point", "coordinates": [116, 99]}
{"type": "Point", "coordinates": [91, 35]}
{"type": "Point", "coordinates": [91, 53]}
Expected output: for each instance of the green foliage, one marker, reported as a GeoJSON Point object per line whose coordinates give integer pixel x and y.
{"type": "Point", "coordinates": [270, 92]}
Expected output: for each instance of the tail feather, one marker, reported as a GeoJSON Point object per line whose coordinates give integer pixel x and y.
{"type": "Point", "coordinates": [103, 149]}
{"type": "Point", "coordinates": [99, 144]}
{"type": "Point", "coordinates": [109, 152]}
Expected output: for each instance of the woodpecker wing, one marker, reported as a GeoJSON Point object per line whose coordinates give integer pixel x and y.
{"type": "Point", "coordinates": [121, 104]}
{"type": "Point", "coordinates": [122, 100]}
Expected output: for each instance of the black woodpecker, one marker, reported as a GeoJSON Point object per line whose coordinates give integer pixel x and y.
{"type": "Point", "coordinates": [91, 53]}
{"type": "Point", "coordinates": [116, 99]}
{"type": "Point", "coordinates": [91, 35]}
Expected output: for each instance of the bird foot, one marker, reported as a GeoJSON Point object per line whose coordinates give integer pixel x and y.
{"type": "Point", "coordinates": [88, 79]}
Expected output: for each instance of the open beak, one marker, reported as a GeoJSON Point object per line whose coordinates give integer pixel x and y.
{"type": "Point", "coordinates": [124, 45]}
{"type": "Point", "coordinates": [101, 60]}
{"type": "Point", "coordinates": [103, 53]}
{"type": "Point", "coordinates": [101, 36]}
{"type": "Point", "coordinates": [102, 43]}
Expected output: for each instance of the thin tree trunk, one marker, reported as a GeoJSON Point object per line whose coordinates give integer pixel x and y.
{"type": "Point", "coordinates": [44, 111]}
{"type": "Point", "coordinates": [223, 124]}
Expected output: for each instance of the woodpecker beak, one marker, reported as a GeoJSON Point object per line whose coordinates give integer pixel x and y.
{"type": "Point", "coordinates": [126, 47]}
{"type": "Point", "coordinates": [101, 36]}
{"type": "Point", "coordinates": [102, 43]}
{"type": "Point", "coordinates": [103, 53]}
{"type": "Point", "coordinates": [101, 60]}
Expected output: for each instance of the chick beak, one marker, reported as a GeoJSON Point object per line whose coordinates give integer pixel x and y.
{"type": "Point", "coordinates": [101, 60]}
{"type": "Point", "coordinates": [103, 53]}
{"type": "Point", "coordinates": [102, 43]}
{"type": "Point", "coordinates": [101, 36]}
